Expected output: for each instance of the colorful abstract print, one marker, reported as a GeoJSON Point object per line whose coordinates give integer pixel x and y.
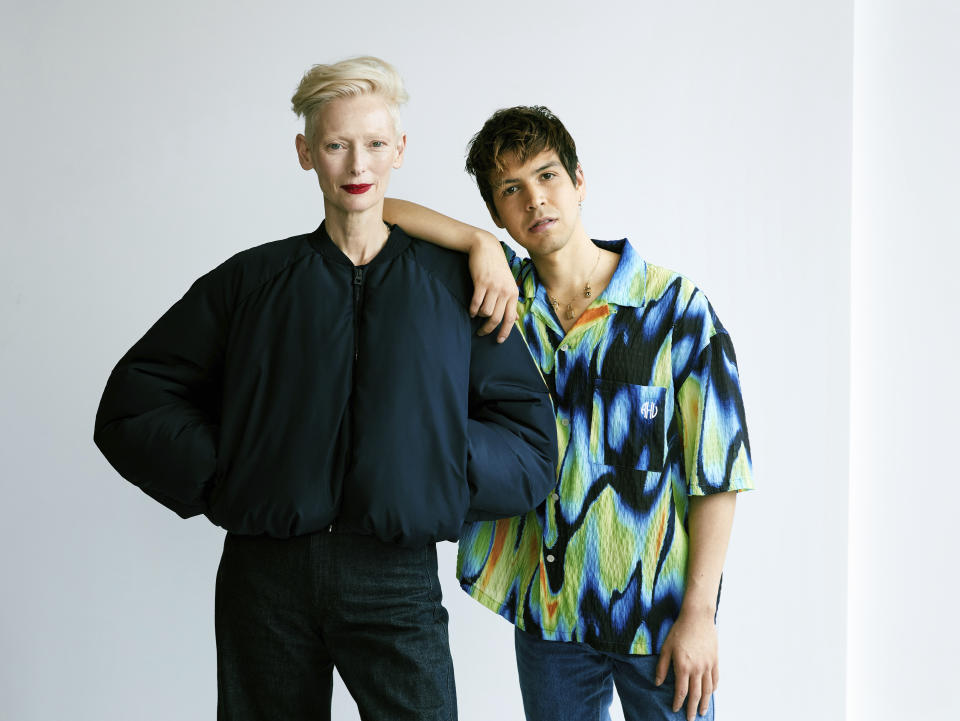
{"type": "Point", "coordinates": [649, 412]}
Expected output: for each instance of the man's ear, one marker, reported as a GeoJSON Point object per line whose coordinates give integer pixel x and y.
{"type": "Point", "coordinates": [581, 183]}
{"type": "Point", "coordinates": [494, 215]}
{"type": "Point", "coordinates": [303, 152]}
{"type": "Point", "coordinates": [401, 146]}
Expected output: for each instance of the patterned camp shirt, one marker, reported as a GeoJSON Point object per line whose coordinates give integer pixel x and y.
{"type": "Point", "coordinates": [649, 412]}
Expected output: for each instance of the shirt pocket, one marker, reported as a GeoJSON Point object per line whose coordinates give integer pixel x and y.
{"type": "Point", "coordinates": [626, 425]}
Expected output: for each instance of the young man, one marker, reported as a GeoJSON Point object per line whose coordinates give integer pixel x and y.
{"type": "Point", "coordinates": [615, 579]}
{"type": "Point", "coordinates": [262, 399]}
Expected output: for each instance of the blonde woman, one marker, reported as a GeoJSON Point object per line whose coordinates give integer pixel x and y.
{"type": "Point", "coordinates": [327, 400]}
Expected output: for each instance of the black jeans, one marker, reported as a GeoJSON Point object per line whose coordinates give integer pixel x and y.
{"type": "Point", "coordinates": [288, 611]}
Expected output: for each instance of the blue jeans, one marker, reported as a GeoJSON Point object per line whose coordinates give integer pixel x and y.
{"type": "Point", "coordinates": [288, 611]}
{"type": "Point", "coordinates": [562, 681]}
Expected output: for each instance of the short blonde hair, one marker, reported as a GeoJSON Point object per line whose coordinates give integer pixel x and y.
{"type": "Point", "coordinates": [365, 75]}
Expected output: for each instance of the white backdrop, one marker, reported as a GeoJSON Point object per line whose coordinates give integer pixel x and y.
{"type": "Point", "coordinates": [144, 143]}
{"type": "Point", "coordinates": [904, 629]}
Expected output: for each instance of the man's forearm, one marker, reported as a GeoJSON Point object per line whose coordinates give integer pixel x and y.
{"type": "Point", "coordinates": [691, 644]}
{"type": "Point", "coordinates": [709, 523]}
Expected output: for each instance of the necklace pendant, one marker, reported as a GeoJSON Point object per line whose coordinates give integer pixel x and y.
{"type": "Point", "coordinates": [569, 314]}
{"type": "Point", "coordinates": [587, 291]}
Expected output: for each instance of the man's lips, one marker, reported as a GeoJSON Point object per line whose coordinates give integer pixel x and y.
{"type": "Point", "coordinates": [542, 224]}
{"type": "Point", "coordinates": [357, 189]}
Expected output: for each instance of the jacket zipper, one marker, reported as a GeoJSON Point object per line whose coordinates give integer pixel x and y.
{"type": "Point", "coordinates": [357, 297]}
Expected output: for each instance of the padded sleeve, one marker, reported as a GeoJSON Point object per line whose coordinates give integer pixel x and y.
{"type": "Point", "coordinates": [512, 438]}
{"type": "Point", "coordinates": [157, 423]}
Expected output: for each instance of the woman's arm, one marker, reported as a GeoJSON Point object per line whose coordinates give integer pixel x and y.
{"type": "Point", "coordinates": [495, 290]}
{"type": "Point", "coordinates": [158, 420]}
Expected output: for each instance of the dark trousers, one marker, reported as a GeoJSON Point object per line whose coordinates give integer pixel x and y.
{"type": "Point", "coordinates": [567, 681]}
{"type": "Point", "coordinates": [288, 611]}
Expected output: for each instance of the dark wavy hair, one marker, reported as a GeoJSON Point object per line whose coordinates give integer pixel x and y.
{"type": "Point", "coordinates": [517, 133]}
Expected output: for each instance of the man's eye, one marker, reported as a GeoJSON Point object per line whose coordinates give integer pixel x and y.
{"type": "Point", "coordinates": [510, 190]}
{"type": "Point", "coordinates": [378, 144]}
{"type": "Point", "coordinates": [334, 146]}
{"type": "Point", "coordinates": [548, 175]}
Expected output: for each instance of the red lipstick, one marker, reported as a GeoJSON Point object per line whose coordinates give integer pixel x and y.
{"type": "Point", "coordinates": [357, 189]}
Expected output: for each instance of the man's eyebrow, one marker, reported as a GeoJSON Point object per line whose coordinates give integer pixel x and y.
{"type": "Point", "coordinates": [508, 181]}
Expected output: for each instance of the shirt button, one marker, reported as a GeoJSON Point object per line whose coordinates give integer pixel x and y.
{"type": "Point", "coordinates": [550, 558]}
{"type": "Point", "coordinates": [563, 347]}
{"type": "Point", "coordinates": [564, 422]}
{"type": "Point", "coordinates": [555, 496]}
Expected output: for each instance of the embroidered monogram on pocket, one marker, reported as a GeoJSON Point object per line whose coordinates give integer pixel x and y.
{"type": "Point", "coordinates": [626, 427]}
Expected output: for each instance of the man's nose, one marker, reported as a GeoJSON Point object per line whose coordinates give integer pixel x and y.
{"type": "Point", "coordinates": [535, 199]}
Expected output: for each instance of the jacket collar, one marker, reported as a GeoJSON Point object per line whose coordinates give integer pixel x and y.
{"type": "Point", "coordinates": [397, 242]}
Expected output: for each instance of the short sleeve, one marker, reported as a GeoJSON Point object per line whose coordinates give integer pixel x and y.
{"type": "Point", "coordinates": [716, 448]}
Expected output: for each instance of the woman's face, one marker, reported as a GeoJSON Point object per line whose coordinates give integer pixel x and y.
{"type": "Point", "coordinates": [354, 148]}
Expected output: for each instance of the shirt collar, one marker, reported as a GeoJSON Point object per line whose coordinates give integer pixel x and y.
{"type": "Point", "coordinates": [627, 285]}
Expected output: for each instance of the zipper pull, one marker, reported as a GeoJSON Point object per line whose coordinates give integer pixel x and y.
{"type": "Point", "coordinates": [358, 276]}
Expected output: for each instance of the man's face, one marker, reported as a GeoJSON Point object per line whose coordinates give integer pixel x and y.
{"type": "Point", "coordinates": [355, 146]}
{"type": "Point", "coordinates": [537, 203]}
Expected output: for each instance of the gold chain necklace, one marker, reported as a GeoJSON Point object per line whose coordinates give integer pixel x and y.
{"type": "Point", "coordinates": [587, 293]}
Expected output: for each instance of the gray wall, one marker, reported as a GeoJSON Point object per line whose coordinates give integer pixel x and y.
{"type": "Point", "coordinates": [143, 143]}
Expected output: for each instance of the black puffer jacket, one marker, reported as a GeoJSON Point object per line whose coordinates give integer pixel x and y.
{"type": "Point", "coordinates": [289, 389]}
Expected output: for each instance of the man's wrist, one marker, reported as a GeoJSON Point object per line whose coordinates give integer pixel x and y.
{"type": "Point", "coordinates": [698, 608]}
